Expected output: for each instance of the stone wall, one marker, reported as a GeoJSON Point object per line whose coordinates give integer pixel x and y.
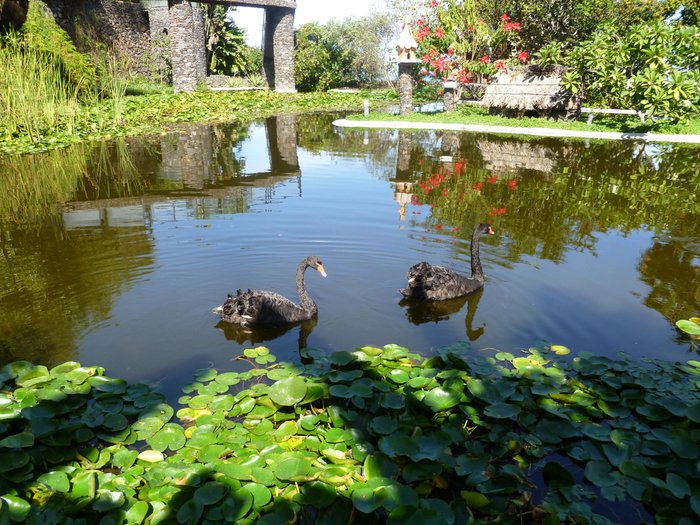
{"type": "Point", "coordinates": [122, 26]}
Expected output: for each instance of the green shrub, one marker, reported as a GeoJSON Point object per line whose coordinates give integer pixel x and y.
{"type": "Point", "coordinates": [652, 68]}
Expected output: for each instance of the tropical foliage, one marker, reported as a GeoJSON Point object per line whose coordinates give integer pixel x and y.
{"type": "Point", "coordinates": [375, 432]}
{"type": "Point", "coordinates": [654, 68]}
{"type": "Point", "coordinates": [227, 51]}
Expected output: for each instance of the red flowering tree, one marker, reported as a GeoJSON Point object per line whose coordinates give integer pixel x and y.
{"type": "Point", "coordinates": [457, 44]}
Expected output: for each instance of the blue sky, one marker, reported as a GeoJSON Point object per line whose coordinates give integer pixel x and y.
{"type": "Point", "coordinates": [307, 11]}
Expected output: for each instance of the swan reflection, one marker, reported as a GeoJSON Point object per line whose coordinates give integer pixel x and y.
{"type": "Point", "coordinates": [260, 334]}
{"type": "Point", "coordinates": [420, 312]}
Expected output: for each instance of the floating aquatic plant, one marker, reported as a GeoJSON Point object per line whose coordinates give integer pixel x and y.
{"type": "Point", "coordinates": [378, 435]}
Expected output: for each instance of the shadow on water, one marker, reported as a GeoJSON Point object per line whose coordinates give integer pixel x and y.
{"type": "Point", "coordinates": [435, 311]}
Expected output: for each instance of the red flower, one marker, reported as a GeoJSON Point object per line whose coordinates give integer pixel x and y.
{"type": "Point", "coordinates": [477, 186]}
{"type": "Point", "coordinates": [497, 211]}
{"type": "Point", "coordinates": [415, 200]}
{"type": "Point", "coordinates": [512, 184]}
{"type": "Point", "coordinates": [511, 26]}
{"type": "Point", "coordinates": [470, 29]}
{"type": "Point", "coordinates": [438, 227]}
{"type": "Point", "coordinates": [485, 59]}
{"type": "Point", "coordinates": [492, 180]}
{"type": "Point", "coordinates": [445, 193]}
{"type": "Point", "coordinates": [434, 3]}
{"type": "Point", "coordinates": [505, 18]}
{"type": "Point", "coordinates": [420, 22]}
{"type": "Point", "coordinates": [523, 56]}
{"type": "Point", "coordinates": [456, 229]}
{"type": "Point", "coordinates": [459, 166]}
{"type": "Point", "coordinates": [439, 32]}
{"type": "Point", "coordinates": [500, 64]}
{"type": "Point", "coordinates": [450, 51]}
{"type": "Point", "coordinates": [464, 77]}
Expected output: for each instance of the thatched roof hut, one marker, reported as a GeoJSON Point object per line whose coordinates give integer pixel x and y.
{"type": "Point", "coordinates": [530, 91]}
{"type": "Point", "coordinates": [506, 156]}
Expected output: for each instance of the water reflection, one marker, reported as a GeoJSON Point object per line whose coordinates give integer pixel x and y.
{"type": "Point", "coordinates": [436, 311]}
{"type": "Point", "coordinates": [101, 244]}
{"type": "Point", "coordinates": [260, 334]}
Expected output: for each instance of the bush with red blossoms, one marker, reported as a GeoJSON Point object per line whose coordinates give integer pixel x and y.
{"type": "Point", "coordinates": [459, 44]}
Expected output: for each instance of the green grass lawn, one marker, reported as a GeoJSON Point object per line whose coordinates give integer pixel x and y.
{"type": "Point", "coordinates": [471, 114]}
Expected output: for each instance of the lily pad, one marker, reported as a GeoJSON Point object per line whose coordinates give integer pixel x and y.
{"type": "Point", "coordinates": [288, 391]}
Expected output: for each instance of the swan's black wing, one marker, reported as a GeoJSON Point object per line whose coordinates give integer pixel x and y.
{"type": "Point", "coordinates": [436, 283]}
{"type": "Point", "coordinates": [259, 307]}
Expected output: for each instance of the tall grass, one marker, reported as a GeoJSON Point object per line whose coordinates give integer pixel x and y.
{"type": "Point", "coordinates": [34, 96]}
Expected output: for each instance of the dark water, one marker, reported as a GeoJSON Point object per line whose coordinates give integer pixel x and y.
{"type": "Point", "coordinates": [114, 254]}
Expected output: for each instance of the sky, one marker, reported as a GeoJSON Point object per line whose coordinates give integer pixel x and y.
{"type": "Point", "coordinates": [321, 11]}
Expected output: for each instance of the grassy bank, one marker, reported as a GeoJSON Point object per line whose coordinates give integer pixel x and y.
{"type": "Point", "coordinates": [472, 114]}
{"type": "Point", "coordinates": [133, 115]}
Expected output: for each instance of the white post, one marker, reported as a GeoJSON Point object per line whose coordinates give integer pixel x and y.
{"type": "Point", "coordinates": [366, 107]}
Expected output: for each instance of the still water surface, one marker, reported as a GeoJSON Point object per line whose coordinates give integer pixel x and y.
{"type": "Point", "coordinates": [114, 254]}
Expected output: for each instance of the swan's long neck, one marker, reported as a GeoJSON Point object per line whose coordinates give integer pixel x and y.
{"type": "Point", "coordinates": [477, 271]}
{"type": "Point", "coordinates": [305, 300]}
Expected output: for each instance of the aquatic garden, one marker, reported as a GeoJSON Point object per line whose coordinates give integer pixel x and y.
{"type": "Point", "coordinates": [563, 391]}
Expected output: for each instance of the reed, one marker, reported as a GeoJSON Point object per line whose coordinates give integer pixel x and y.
{"type": "Point", "coordinates": [34, 97]}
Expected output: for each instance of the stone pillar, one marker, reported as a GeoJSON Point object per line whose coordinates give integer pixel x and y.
{"type": "Point", "coordinates": [186, 30]}
{"type": "Point", "coordinates": [405, 88]}
{"type": "Point", "coordinates": [449, 97]}
{"type": "Point", "coordinates": [278, 49]}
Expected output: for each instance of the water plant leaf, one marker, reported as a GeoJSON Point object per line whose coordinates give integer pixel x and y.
{"type": "Point", "coordinates": [318, 494]}
{"type": "Point", "coordinates": [171, 436]}
{"type": "Point", "coordinates": [502, 411]}
{"type": "Point", "coordinates": [379, 466]}
{"type": "Point", "coordinates": [599, 473]}
{"type": "Point", "coordinates": [439, 399]}
{"type": "Point", "coordinates": [151, 456]}
{"type": "Point", "coordinates": [678, 486]}
{"type": "Point", "coordinates": [342, 358]}
{"type": "Point", "coordinates": [137, 513]}
{"type": "Point", "coordinates": [560, 349]}
{"type": "Point", "coordinates": [210, 493]}
{"type": "Point", "coordinates": [689, 327]}
{"type": "Point", "coordinates": [190, 513]}
{"type": "Point", "coordinates": [261, 494]}
{"type": "Point", "coordinates": [55, 480]}
{"type": "Point", "coordinates": [367, 500]}
{"type": "Point", "coordinates": [288, 391]}
{"type": "Point", "coordinates": [292, 468]}
{"type": "Point", "coordinates": [108, 500]}
{"type": "Point", "coordinates": [17, 508]}
{"type": "Point", "coordinates": [19, 440]}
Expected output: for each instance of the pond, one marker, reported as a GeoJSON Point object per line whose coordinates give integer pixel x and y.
{"type": "Point", "coordinates": [114, 253]}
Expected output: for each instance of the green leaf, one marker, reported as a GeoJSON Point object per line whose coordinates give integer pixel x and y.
{"type": "Point", "coordinates": [171, 436]}
{"type": "Point", "coordinates": [292, 468]}
{"type": "Point", "coordinates": [599, 473]}
{"type": "Point", "coordinates": [367, 500]}
{"type": "Point", "coordinates": [502, 411]}
{"type": "Point", "coordinates": [20, 440]}
{"type": "Point", "coordinates": [439, 399]}
{"type": "Point", "coordinates": [18, 509]}
{"type": "Point", "coordinates": [55, 480]}
{"type": "Point", "coordinates": [689, 327]}
{"type": "Point", "coordinates": [137, 513]}
{"type": "Point", "coordinates": [288, 391]}
{"type": "Point", "coordinates": [210, 493]}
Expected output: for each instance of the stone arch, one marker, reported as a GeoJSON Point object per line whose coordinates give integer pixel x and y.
{"type": "Point", "coordinates": [186, 30]}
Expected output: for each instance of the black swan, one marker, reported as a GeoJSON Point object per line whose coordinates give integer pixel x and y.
{"type": "Point", "coordinates": [436, 283]}
{"type": "Point", "coordinates": [260, 307]}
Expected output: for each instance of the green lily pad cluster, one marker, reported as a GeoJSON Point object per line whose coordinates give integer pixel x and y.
{"type": "Point", "coordinates": [374, 435]}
